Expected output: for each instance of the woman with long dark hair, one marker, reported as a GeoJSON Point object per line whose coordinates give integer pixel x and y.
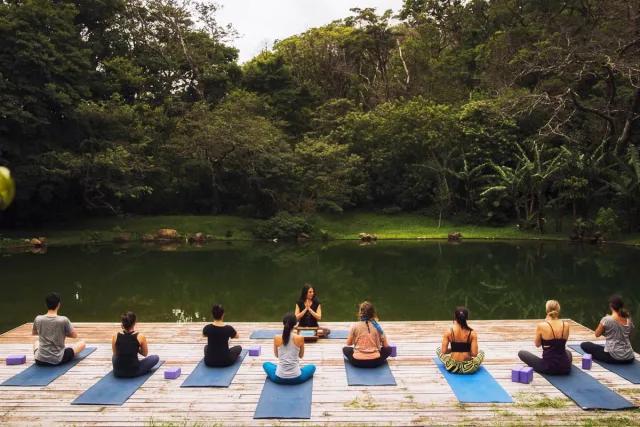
{"type": "Point", "coordinates": [367, 345]}
{"type": "Point", "coordinates": [552, 336]}
{"type": "Point", "coordinates": [126, 346]}
{"type": "Point", "coordinates": [459, 350]}
{"type": "Point", "coordinates": [288, 348]}
{"type": "Point", "coordinates": [308, 310]}
{"type": "Point", "coordinates": [616, 328]}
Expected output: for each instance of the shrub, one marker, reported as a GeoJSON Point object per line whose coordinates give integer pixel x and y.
{"type": "Point", "coordinates": [282, 226]}
{"type": "Point", "coordinates": [607, 222]}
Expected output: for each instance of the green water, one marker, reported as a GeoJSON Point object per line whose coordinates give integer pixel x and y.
{"type": "Point", "coordinates": [261, 281]}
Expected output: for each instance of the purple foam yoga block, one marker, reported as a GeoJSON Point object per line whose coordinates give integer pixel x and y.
{"type": "Point", "coordinates": [172, 373]}
{"type": "Point", "coordinates": [515, 374]}
{"type": "Point", "coordinates": [254, 351]}
{"type": "Point", "coordinates": [587, 360]}
{"type": "Point", "coordinates": [394, 350]}
{"type": "Point", "coordinates": [525, 375]}
{"type": "Point", "coordinates": [16, 359]}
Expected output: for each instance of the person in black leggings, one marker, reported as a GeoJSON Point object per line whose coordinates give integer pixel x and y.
{"type": "Point", "coordinates": [551, 335]}
{"type": "Point", "coordinates": [217, 351]}
{"type": "Point", "coordinates": [126, 346]}
{"type": "Point", "coordinates": [616, 328]}
{"type": "Point", "coordinates": [370, 347]}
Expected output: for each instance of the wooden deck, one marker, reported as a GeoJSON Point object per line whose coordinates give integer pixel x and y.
{"type": "Point", "coordinates": [422, 396]}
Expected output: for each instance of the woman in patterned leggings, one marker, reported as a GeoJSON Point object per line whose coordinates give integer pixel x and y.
{"type": "Point", "coordinates": [459, 351]}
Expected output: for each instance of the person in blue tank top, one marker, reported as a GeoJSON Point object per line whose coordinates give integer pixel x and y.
{"type": "Point", "coordinates": [459, 349]}
{"type": "Point", "coordinates": [126, 346]}
{"type": "Point", "coordinates": [552, 336]}
{"type": "Point", "coordinates": [288, 348]}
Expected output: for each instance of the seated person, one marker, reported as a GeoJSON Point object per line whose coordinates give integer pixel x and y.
{"type": "Point", "coordinates": [52, 330]}
{"type": "Point", "coordinates": [459, 351]}
{"type": "Point", "coordinates": [616, 328]}
{"type": "Point", "coordinates": [288, 348]}
{"type": "Point", "coordinates": [126, 345]}
{"type": "Point", "coordinates": [370, 348]}
{"type": "Point", "coordinates": [552, 335]}
{"type": "Point", "coordinates": [217, 351]}
{"type": "Point", "coordinates": [309, 311]}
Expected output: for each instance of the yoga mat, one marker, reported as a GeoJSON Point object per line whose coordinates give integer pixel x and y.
{"type": "Point", "coordinates": [285, 400]}
{"type": "Point", "coordinates": [587, 392]}
{"type": "Point", "coordinates": [479, 387]}
{"type": "Point", "coordinates": [36, 375]}
{"type": "Point", "coordinates": [263, 334]}
{"type": "Point", "coordinates": [629, 371]}
{"type": "Point", "coordinates": [113, 391]}
{"type": "Point", "coordinates": [381, 375]}
{"type": "Point", "coordinates": [205, 376]}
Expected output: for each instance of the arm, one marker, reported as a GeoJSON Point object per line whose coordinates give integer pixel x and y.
{"type": "Point", "coordinates": [299, 313]}
{"type": "Point", "coordinates": [383, 338]}
{"type": "Point", "coordinates": [113, 344]}
{"type": "Point", "coordinates": [275, 346]}
{"type": "Point", "coordinates": [350, 338]}
{"type": "Point", "coordinates": [144, 349]}
{"type": "Point", "coordinates": [600, 329]}
{"type": "Point", "coordinates": [474, 344]}
{"type": "Point", "coordinates": [34, 330]}
{"type": "Point", "coordinates": [300, 343]}
{"type": "Point", "coordinates": [316, 314]}
{"type": "Point", "coordinates": [538, 339]}
{"type": "Point", "coordinates": [444, 348]}
{"type": "Point", "coordinates": [235, 333]}
{"type": "Point", "coordinates": [69, 330]}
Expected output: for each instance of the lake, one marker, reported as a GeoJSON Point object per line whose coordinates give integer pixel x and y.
{"type": "Point", "coordinates": [416, 280]}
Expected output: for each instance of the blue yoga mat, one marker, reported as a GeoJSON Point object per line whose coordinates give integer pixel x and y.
{"type": "Point", "coordinates": [263, 334]}
{"type": "Point", "coordinates": [285, 400]}
{"type": "Point", "coordinates": [628, 371]}
{"type": "Point", "coordinates": [113, 391]}
{"type": "Point", "coordinates": [205, 376]}
{"type": "Point", "coordinates": [479, 387]}
{"type": "Point", "coordinates": [381, 375]}
{"type": "Point", "coordinates": [36, 375]}
{"type": "Point", "coordinates": [587, 392]}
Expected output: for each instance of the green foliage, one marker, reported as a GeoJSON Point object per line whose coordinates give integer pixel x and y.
{"type": "Point", "coordinates": [283, 226]}
{"type": "Point", "coordinates": [607, 222]}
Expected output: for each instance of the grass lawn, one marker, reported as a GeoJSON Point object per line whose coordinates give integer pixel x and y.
{"type": "Point", "coordinates": [346, 226]}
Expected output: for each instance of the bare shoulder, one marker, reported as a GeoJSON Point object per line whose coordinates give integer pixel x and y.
{"type": "Point", "coordinates": [474, 334]}
{"type": "Point", "coordinates": [298, 340]}
{"type": "Point", "coordinates": [277, 340]}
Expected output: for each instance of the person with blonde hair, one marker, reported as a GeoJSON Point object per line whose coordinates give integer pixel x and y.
{"type": "Point", "coordinates": [552, 336]}
{"type": "Point", "coordinates": [367, 345]}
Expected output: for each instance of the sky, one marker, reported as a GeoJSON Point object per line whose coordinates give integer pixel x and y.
{"type": "Point", "coordinates": [261, 22]}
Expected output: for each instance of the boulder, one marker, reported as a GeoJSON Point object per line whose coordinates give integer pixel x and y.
{"type": "Point", "coordinates": [197, 238]}
{"type": "Point", "coordinates": [167, 234]}
{"type": "Point", "coordinates": [148, 238]}
{"type": "Point", "coordinates": [456, 236]}
{"type": "Point", "coordinates": [36, 243]}
{"type": "Point", "coordinates": [366, 237]}
{"type": "Point", "coordinates": [122, 238]}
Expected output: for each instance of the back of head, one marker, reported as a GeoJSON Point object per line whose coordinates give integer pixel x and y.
{"type": "Point", "coordinates": [552, 308]}
{"type": "Point", "coordinates": [128, 320]}
{"type": "Point", "coordinates": [617, 305]}
{"type": "Point", "coordinates": [52, 300]}
{"type": "Point", "coordinates": [289, 321]}
{"type": "Point", "coordinates": [461, 314]}
{"type": "Point", "coordinates": [366, 311]}
{"type": "Point", "coordinates": [217, 311]}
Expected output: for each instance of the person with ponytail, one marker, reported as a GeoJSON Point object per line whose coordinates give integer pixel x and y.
{"type": "Point", "coordinates": [552, 336]}
{"type": "Point", "coordinates": [616, 328]}
{"type": "Point", "coordinates": [126, 346]}
{"type": "Point", "coordinates": [288, 348]}
{"type": "Point", "coordinates": [367, 345]}
{"type": "Point", "coordinates": [459, 350]}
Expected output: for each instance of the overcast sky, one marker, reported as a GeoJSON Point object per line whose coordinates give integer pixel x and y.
{"type": "Point", "coordinates": [261, 22]}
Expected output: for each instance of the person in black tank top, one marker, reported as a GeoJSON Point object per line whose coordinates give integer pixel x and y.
{"type": "Point", "coordinates": [459, 350]}
{"type": "Point", "coordinates": [217, 351]}
{"type": "Point", "coordinates": [308, 310]}
{"type": "Point", "coordinates": [126, 346]}
{"type": "Point", "coordinates": [556, 359]}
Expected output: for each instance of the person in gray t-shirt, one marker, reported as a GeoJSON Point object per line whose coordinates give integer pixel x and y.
{"type": "Point", "coordinates": [52, 330]}
{"type": "Point", "coordinates": [616, 328]}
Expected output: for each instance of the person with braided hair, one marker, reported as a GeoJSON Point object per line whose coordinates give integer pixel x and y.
{"type": "Point", "coordinates": [367, 345]}
{"type": "Point", "coordinates": [459, 350]}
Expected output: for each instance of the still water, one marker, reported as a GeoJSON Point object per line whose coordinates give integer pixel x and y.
{"type": "Point", "coordinates": [261, 281]}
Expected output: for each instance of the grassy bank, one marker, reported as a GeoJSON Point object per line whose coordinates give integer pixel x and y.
{"type": "Point", "coordinates": [347, 226]}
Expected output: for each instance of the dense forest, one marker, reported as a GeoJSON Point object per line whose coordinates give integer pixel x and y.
{"type": "Point", "coordinates": [487, 111]}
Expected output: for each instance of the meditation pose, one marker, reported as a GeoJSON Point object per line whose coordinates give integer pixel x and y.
{"type": "Point", "coordinates": [370, 348]}
{"type": "Point", "coordinates": [552, 335]}
{"type": "Point", "coordinates": [217, 351]}
{"type": "Point", "coordinates": [52, 330]}
{"type": "Point", "coordinates": [309, 311]}
{"type": "Point", "coordinates": [616, 328]}
{"type": "Point", "coordinates": [126, 345]}
{"type": "Point", "coordinates": [288, 348]}
{"type": "Point", "coordinates": [459, 351]}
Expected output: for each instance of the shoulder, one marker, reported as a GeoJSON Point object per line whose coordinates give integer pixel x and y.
{"type": "Point", "coordinates": [298, 340]}
{"type": "Point", "coordinates": [64, 319]}
{"type": "Point", "coordinates": [606, 320]}
{"type": "Point", "coordinates": [230, 329]}
{"type": "Point", "coordinates": [38, 318]}
{"type": "Point", "coordinates": [207, 328]}
{"type": "Point", "coordinates": [141, 337]}
{"type": "Point", "coordinates": [473, 334]}
{"type": "Point", "coordinates": [277, 340]}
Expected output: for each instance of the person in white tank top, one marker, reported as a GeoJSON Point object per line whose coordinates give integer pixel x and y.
{"type": "Point", "coordinates": [288, 348]}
